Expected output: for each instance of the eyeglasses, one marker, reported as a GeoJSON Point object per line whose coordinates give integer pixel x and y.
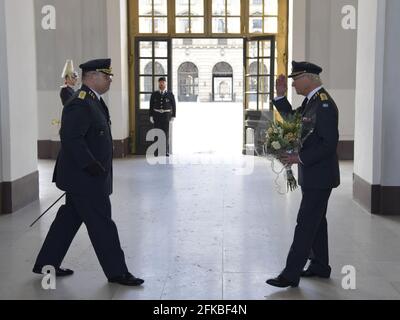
{"type": "Point", "coordinates": [107, 76]}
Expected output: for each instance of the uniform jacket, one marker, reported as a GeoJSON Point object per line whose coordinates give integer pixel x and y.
{"type": "Point", "coordinates": [320, 166]}
{"type": "Point", "coordinates": [162, 101]}
{"type": "Point", "coordinates": [85, 137]}
{"type": "Point", "coordinates": [66, 93]}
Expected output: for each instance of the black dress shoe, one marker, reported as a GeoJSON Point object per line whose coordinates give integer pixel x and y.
{"type": "Point", "coordinates": [310, 274]}
{"type": "Point", "coordinates": [60, 272]}
{"type": "Point", "coordinates": [281, 282]}
{"type": "Point", "coordinates": [127, 279]}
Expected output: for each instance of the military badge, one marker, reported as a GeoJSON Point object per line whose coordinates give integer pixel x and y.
{"type": "Point", "coordinates": [82, 95]}
{"type": "Point", "coordinates": [323, 97]}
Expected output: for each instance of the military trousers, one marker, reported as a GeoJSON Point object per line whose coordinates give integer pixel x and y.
{"type": "Point", "coordinates": [162, 122]}
{"type": "Point", "coordinates": [95, 212]}
{"type": "Point", "coordinates": [310, 237]}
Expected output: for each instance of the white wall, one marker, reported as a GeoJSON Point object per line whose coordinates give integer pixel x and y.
{"type": "Point", "coordinates": [3, 84]}
{"type": "Point", "coordinates": [391, 104]}
{"type": "Point", "coordinates": [118, 97]}
{"type": "Point", "coordinates": [18, 90]}
{"type": "Point", "coordinates": [86, 29]}
{"type": "Point", "coordinates": [368, 130]}
{"type": "Point", "coordinates": [316, 35]}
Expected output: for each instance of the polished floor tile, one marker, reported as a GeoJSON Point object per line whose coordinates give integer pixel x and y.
{"type": "Point", "coordinates": [204, 231]}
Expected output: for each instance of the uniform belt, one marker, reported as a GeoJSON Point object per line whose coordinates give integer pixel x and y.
{"type": "Point", "coordinates": [161, 110]}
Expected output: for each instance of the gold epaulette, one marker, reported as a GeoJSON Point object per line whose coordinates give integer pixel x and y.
{"type": "Point", "coordinates": [82, 95]}
{"type": "Point", "coordinates": [323, 97]}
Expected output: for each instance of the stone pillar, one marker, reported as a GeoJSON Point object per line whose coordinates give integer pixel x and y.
{"type": "Point", "coordinates": [377, 152]}
{"type": "Point", "coordinates": [118, 97]}
{"type": "Point", "coordinates": [19, 180]}
{"type": "Point", "coordinates": [316, 34]}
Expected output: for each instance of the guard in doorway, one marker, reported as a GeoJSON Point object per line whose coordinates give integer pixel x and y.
{"type": "Point", "coordinates": [163, 109]}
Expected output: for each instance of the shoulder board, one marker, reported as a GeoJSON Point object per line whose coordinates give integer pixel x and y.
{"type": "Point", "coordinates": [82, 95]}
{"type": "Point", "coordinates": [323, 97]}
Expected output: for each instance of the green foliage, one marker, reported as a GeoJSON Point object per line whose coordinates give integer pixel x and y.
{"type": "Point", "coordinates": [284, 136]}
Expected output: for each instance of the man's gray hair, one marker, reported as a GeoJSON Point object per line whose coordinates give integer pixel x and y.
{"type": "Point", "coordinates": [314, 78]}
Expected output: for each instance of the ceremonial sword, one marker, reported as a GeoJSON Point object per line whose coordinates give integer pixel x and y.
{"type": "Point", "coordinates": [47, 210]}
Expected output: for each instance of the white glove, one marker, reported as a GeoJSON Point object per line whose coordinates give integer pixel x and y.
{"type": "Point", "coordinates": [152, 120]}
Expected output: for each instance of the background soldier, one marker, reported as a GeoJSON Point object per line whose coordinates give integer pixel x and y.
{"type": "Point", "coordinates": [84, 171]}
{"type": "Point", "coordinates": [318, 173]}
{"type": "Point", "coordinates": [70, 77]}
{"type": "Point", "coordinates": [163, 109]}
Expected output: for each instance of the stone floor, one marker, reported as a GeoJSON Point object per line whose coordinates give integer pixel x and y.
{"type": "Point", "coordinates": [204, 231]}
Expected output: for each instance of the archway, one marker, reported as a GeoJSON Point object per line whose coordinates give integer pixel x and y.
{"type": "Point", "coordinates": [188, 81]}
{"type": "Point", "coordinates": [223, 82]}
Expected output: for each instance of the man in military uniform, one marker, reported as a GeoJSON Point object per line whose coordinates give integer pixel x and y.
{"type": "Point", "coordinates": [84, 171]}
{"type": "Point", "coordinates": [162, 109]}
{"type": "Point", "coordinates": [318, 173]}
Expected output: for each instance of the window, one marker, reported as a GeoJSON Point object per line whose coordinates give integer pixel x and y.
{"type": "Point", "coordinates": [188, 78]}
{"type": "Point", "coordinates": [263, 16]}
{"type": "Point", "coordinates": [189, 16]}
{"type": "Point", "coordinates": [153, 63]}
{"type": "Point", "coordinates": [226, 16]}
{"type": "Point", "coordinates": [153, 16]}
{"type": "Point", "coordinates": [222, 82]}
{"type": "Point", "coordinates": [260, 73]}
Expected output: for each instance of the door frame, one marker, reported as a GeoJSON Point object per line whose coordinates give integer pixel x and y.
{"type": "Point", "coordinates": [142, 118]}
{"type": "Point", "coordinates": [253, 118]}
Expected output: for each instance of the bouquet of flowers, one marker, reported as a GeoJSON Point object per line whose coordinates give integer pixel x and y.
{"type": "Point", "coordinates": [284, 137]}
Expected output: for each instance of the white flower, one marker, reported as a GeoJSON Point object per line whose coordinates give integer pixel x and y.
{"type": "Point", "coordinates": [276, 145]}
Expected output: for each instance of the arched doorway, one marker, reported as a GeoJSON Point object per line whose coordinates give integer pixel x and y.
{"type": "Point", "coordinates": [223, 82]}
{"type": "Point", "coordinates": [188, 80]}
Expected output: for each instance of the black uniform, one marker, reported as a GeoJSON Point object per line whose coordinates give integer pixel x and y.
{"type": "Point", "coordinates": [318, 175]}
{"type": "Point", "coordinates": [66, 94]}
{"type": "Point", "coordinates": [163, 109]}
{"type": "Point", "coordinates": [84, 171]}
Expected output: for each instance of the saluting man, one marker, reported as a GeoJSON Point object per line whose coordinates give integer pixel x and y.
{"type": "Point", "coordinates": [318, 173]}
{"type": "Point", "coordinates": [163, 109]}
{"type": "Point", "coordinates": [84, 171]}
{"type": "Point", "coordinates": [70, 77]}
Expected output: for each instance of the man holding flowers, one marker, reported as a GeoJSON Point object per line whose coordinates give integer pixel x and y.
{"type": "Point", "coordinates": [318, 172]}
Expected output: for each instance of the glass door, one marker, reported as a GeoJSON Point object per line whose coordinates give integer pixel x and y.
{"type": "Point", "coordinates": [153, 61]}
{"type": "Point", "coordinates": [259, 78]}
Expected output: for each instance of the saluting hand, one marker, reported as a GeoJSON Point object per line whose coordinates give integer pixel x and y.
{"type": "Point", "coordinates": [281, 85]}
